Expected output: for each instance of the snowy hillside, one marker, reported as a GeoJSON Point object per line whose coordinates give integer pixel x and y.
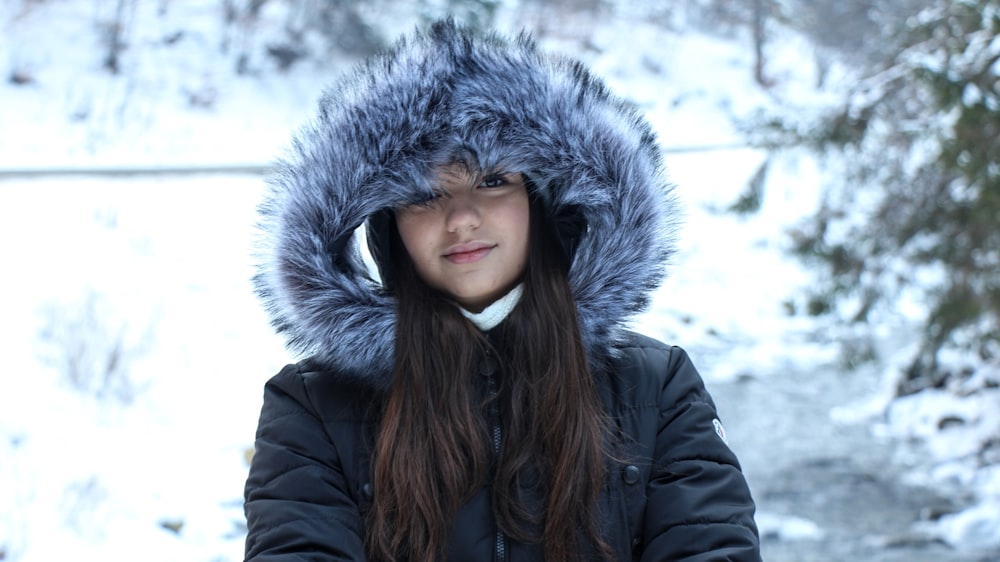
{"type": "Point", "coordinates": [136, 353]}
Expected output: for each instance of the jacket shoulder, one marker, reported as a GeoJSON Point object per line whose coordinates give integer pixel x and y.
{"type": "Point", "coordinates": [642, 361]}
{"type": "Point", "coordinates": [694, 503]}
{"type": "Point", "coordinates": [323, 392]}
{"type": "Point", "coordinates": [305, 482]}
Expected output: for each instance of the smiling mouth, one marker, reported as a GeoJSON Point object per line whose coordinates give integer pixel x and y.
{"type": "Point", "coordinates": [468, 254]}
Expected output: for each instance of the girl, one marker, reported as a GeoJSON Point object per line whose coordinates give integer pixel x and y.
{"type": "Point", "coordinates": [481, 399]}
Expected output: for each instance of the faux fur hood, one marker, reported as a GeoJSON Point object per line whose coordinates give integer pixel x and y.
{"type": "Point", "coordinates": [379, 134]}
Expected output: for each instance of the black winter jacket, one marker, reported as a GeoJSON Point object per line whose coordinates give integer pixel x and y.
{"type": "Point", "coordinates": [594, 165]}
{"type": "Point", "coordinates": [678, 493]}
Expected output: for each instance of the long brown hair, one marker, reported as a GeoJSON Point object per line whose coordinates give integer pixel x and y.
{"type": "Point", "coordinates": [433, 449]}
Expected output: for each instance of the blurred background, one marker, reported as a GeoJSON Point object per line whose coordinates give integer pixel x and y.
{"type": "Point", "coordinates": [838, 281]}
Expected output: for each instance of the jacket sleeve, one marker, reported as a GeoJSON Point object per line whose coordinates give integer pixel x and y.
{"type": "Point", "coordinates": [297, 501]}
{"type": "Point", "coordinates": [699, 507]}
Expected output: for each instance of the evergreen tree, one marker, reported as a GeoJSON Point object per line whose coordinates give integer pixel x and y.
{"type": "Point", "coordinates": [918, 209]}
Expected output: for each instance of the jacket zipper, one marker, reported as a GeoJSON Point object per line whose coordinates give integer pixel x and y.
{"type": "Point", "coordinates": [488, 369]}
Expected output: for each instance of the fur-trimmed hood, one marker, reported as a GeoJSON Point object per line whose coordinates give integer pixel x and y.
{"type": "Point", "coordinates": [381, 131]}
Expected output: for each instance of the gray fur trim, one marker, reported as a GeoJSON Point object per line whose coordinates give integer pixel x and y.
{"type": "Point", "coordinates": [379, 134]}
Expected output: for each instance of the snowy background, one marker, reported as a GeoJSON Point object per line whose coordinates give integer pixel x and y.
{"type": "Point", "coordinates": [135, 353]}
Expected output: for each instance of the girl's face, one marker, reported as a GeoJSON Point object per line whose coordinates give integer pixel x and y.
{"type": "Point", "coordinates": [471, 241]}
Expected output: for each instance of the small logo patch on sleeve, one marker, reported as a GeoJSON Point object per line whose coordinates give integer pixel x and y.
{"type": "Point", "coordinates": [720, 431]}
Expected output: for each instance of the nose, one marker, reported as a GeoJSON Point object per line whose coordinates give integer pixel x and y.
{"type": "Point", "coordinates": [462, 214]}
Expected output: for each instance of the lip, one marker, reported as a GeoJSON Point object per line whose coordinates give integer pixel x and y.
{"type": "Point", "coordinates": [468, 252]}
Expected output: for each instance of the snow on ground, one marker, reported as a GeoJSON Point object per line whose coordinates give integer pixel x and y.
{"type": "Point", "coordinates": [136, 353]}
{"type": "Point", "coordinates": [154, 272]}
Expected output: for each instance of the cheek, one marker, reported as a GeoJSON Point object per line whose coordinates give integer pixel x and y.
{"type": "Point", "coordinates": [412, 233]}
{"type": "Point", "coordinates": [523, 229]}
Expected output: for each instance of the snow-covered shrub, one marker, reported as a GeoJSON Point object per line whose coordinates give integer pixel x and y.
{"type": "Point", "coordinates": [914, 216]}
{"type": "Point", "coordinates": [92, 346]}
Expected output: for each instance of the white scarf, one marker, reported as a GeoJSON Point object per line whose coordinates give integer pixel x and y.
{"type": "Point", "coordinates": [495, 313]}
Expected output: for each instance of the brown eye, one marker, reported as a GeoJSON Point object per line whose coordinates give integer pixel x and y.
{"type": "Point", "coordinates": [493, 181]}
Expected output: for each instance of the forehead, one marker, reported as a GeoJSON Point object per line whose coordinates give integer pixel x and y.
{"type": "Point", "coordinates": [456, 173]}
{"type": "Point", "coordinates": [457, 176]}
{"type": "Point", "coordinates": [467, 165]}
